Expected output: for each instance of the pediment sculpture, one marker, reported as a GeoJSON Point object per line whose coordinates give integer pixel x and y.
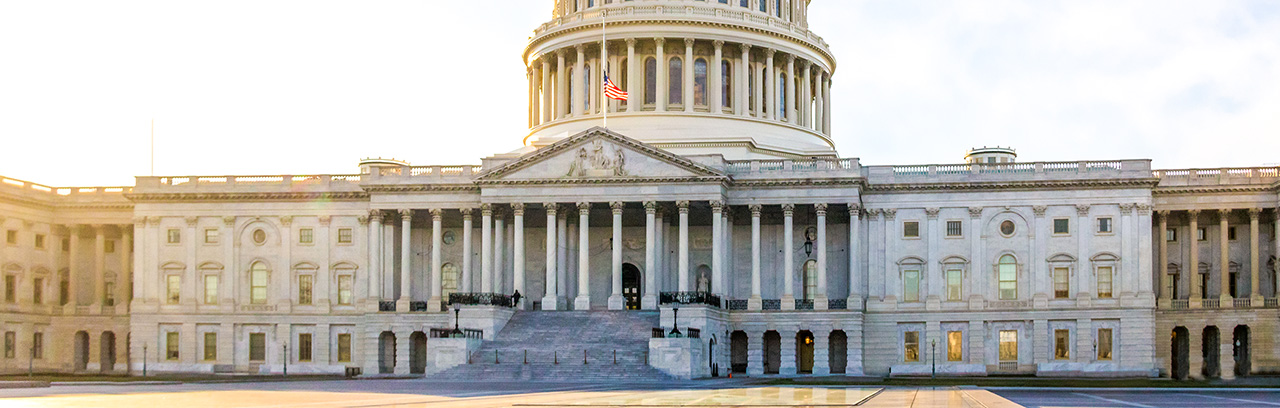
{"type": "Point", "coordinates": [598, 160]}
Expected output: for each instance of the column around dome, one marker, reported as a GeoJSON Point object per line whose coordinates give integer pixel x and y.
{"type": "Point", "coordinates": [562, 106]}
{"type": "Point", "coordinates": [715, 82]}
{"type": "Point", "coordinates": [744, 69]}
{"type": "Point", "coordinates": [826, 96]}
{"type": "Point", "coordinates": [547, 109]}
{"type": "Point", "coordinates": [687, 65]}
{"type": "Point", "coordinates": [791, 89]}
{"type": "Point", "coordinates": [770, 85]}
{"type": "Point", "coordinates": [806, 94]}
{"type": "Point", "coordinates": [634, 103]}
{"type": "Point", "coordinates": [660, 86]}
{"type": "Point", "coordinates": [575, 107]}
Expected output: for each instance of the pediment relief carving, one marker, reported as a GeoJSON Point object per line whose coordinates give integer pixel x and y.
{"type": "Point", "coordinates": [599, 155]}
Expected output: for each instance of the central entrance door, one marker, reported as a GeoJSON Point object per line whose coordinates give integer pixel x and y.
{"type": "Point", "coordinates": [804, 352]}
{"type": "Point", "coordinates": [631, 286]}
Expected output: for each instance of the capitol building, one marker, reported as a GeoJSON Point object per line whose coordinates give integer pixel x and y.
{"type": "Point", "coordinates": [711, 228]}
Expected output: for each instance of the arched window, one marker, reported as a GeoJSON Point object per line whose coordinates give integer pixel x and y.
{"type": "Point", "coordinates": [569, 73]}
{"type": "Point", "coordinates": [744, 3]}
{"type": "Point", "coordinates": [726, 84]}
{"type": "Point", "coordinates": [810, 279]}
{"type": "Point", "coordinates": [675, 75]}
{"type": "Point", "coordinates": [777, 8]}
{"type": "Point", "coordinates": [751, 89]}
{"type": "Point", "coordinates": [1008, 276]}
{"type": "Point", "coordinates": [650, 81]}
{"type": "Point", "coordinates": [764, 5]}
{"type": "Point", "coordinates": [782, 96]}
{"type": "Point", "coordinates": [700, 82]}
{"type": "Point", "coordinates": [258, 283]}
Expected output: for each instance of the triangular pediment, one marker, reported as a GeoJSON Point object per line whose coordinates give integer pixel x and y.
{"type": "Point", "coordinates": [598, 155]}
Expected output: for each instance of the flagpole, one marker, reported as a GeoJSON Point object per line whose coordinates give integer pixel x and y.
{"type": "Point", "coordinates": [604, 52]}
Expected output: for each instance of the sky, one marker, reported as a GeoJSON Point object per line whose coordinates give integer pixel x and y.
{"type": "Point", "coordinates": [313, 86]}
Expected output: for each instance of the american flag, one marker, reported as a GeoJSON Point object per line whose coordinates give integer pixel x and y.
{"type": "Point", "coordinates": [612, 91]}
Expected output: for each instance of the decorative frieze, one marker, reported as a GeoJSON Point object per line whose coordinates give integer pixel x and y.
{"type": "Point", "coordinates": [1082, 210]}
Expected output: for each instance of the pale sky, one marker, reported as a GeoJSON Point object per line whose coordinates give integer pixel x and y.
{"type": "Point", "coordinates": [312, 86]}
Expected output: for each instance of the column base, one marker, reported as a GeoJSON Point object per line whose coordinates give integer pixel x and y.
{"type": "Point", "coordinates": [402, 306]}
{"type": "Point", "coordinates": [1195, 302]}
{"type": "Point", "coordinates": [789, 302]}
{"type": "Point", "coordinates": [582, 303]}
{"type": "Point", "coordinates": [434, 304]}
{"type": "Point", "coordinates": [755, 303]}
{"type": "Point", "coordinates": [616, 302]}
{"type": "Point", "coordinates": [1226, 302]}
{"type": "Point", "coordinates": [1256, 300]}
{"type": "Point", "coordinates": [552, 303]}
{"type": "Point", "coordinates": [821, 302]}
{"type": "Point", "coordinates": [649, 302]}
{"type": "Point", "coordinates": [854, 303]}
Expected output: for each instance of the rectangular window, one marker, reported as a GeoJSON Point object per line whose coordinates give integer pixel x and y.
{"type": "Point", "coordinates": [1061, 283]}
{"type": "Point", "coordinates": [171, 346]}
{"type": "Point", "coordinates": [210, 346]}
{"type": "Point", "coordinates": [344, 235]}
{"type": "Point", "coordinates": [1104, 225]}
{"type": "Point", "coordinates": [955, 228]}
{"type": "Point", "coordinates": [1061, 345]}
{"type": "Point", "coordinates": [39, 241]}
{"type": "Point", "coordinates": [305, 236]}
{"type": "Point", "coordinates": [1104, 344]}
{"type": "Point", "coordinates": [66, 245]}
{"type": "Point", "coordinates": [1202, 234]}
{"type": "Point", "coordinates": [109, 246]}
{"type": "Point", "coordinates": [1104, 282]}
{"type": "Point", "coordinates": [304, 347]}
{"type": "Point", "coordinates": [37, 291]}
{"type": "Point", "coordinates": [211, 236]}
{"type": "Point", "coordinates": [109, 294]}
{"type": "Point", "coordinates": [911, 229]}
{"type": "Point", "coordinates": [173, 289]}
{"type": "Point", "coordinates": [10, 288]}
{"type": "Point", "coordinates": [1008, 345]}
{"type": "Point", "coordinates": [175, 236]}
{"type": "Point", "coordinates": [1232, 284]}
{"type": "Point", "coordinates": [344, 347]}
{"type": "Point", "coordinates": [955, 278]}
{"type": "Point", "coordinates": [304, 289]}
{"type": "Point", "coordinates": [911, 347]}
{"type": "Point", "coordinates": [64, 292]}
{"type": "Point", "coordinates": [1231, 233]}
{"type": "Point", "coordinates": [211, 289]}
{"type": "Point", "coordinates": [1008, 281]}
{"type": "Point", "coordinates": [1171, 235]}
{"type": "Point", "coordinates": [37, 345]}
{"type": "Point", "coordinates": [11, 237]}
{"type": "Point", "coordinates": [911, 286]}
{"type": "Point", "coordinates": [345, 282]}
{"type": "Point", "coordinates": [955, 346]}
{"type": "Point", "coordinates": [1061, 226]}
{"type": "Point", "coordinates": [257, 346]}
{"type": "Point", "coordinates": [10, 344]}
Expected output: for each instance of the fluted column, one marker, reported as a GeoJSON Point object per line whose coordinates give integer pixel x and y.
{"type": "Point", "coordinates": [437, 261]}
{"type": "Point", "coordinates": [788, 257]}
{"type": "Point", "coordinates": [770, 84]}
{"type": "Point", "coordinates": [855, 284]}
{"type": "Point", "coordinates": [1193, 269]}
{"type": "Point", "coordinates": [375, 257]}
{"type": "Point", "coordinates": [139, 228]}
{"type": "Point", "coordinates": [1163, 217]}
{"type": "Point", "coordinates": [583, 301]}
{"type": "Point", "coordinates": [1224, 250]}
{"type": "Point", "coordinates": [806, 94]}
{"type": "Point", "coordinates": [616, 302]}
{"type": "Point", "coordinates": [744, 68]}
{"type": "Point", "coordinates": [532, 75]}
{"type": "Point", "coordinates": [661, 71]}
{"type": "Point", "coordinates": [517, 256]}
{"type": "Point", "coordinates": [562, 256]}
{"type": "Point", "coordinates": [633, 76]}
{"type": "Point", "coordinates": [125, 278]}
{"type": "Point", "coordinates": [576, 108]}
{"type": "Point", "coordinates": [1254, 267]}
{"type": "Point", "coordinates": [716, 80]}
{"type": "Point", "coordinates": [717, 258]}
{"type": "Point", "coordinates": [687, 66]}
{"type": "Point", "coordinates": [545, 88]}
{"type": "Point", "coordinates": [99, 264]}
{"type": "Point", "coordinates": [499, 251]}
{"type": "Point", "coordinates": [820, 301]}
{"type": "Point", "coordinates": [650, 299]}
{"type": "Point", "coordinates": [683, 267]}
{"type": "Point", "coordinates": [1275, 239]}
{"type": "Point", "coordinates": [791, 89]}
{"type": "Point", "coordinates": [486, 248]}
{"type": "Point", "coordinates": [756, 301]}
{"type": "Point", "coordinates": [562, 92]}
{"type": "Point", "coordinates": [827, 105]}
{"type": "Point", "coordinates": [550, 296]}
{"type": "Point", "coordinates": [819, 102]}
{"type": "Point", "coordinates": [406, 259]}
{"type": "Point", "coordinates": [466, 284]}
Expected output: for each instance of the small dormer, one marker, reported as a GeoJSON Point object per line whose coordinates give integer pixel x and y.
{"type": "Point", "coordinates": [368, 165]}
{"type": "Point", "coordinates": [991, 155]}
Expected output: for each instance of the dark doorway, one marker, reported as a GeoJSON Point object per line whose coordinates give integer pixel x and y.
{"type": "Point", "coordinates": [738, 352]}
{"type": "Point", "coordinates": [1211, 351]}
{"type": "Point", "coordinates": [711, 357]}
{"type": "Point", "coordinates": [631, 285]}
{"type": "Point", "coordinates": [82, 351]}
{"type": "Point", "coordinates": [1180, 354]}
{"type": "Point", "coordinates": [418, 353]}
{"type": "Point", "coordinates": [107, 352]}
{"type": "Point", "coordinates": [1240, 349]}
{"type": "Point", "coordinates": [838, 351]}
{"type": "Point", "coordinates": [387, 353]}
{"type": "Point", "coordinates": [772, 352]}
{"type": "Point", "coordinates": [804, 352]}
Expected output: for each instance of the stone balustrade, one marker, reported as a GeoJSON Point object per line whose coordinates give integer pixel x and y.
{"type": "Point", "coordinates": [1217, 177]}
{"type": "Point", "coordinates": [269, 183]}
{"type": "Point", "coordinates": [1032, 171]}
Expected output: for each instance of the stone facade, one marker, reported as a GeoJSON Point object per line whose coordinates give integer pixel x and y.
{"type": "Point", "coordinates": [787, 259]}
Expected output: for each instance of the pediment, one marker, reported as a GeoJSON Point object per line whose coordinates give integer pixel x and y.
{"type": "Point", "coordinates": [599, 155]}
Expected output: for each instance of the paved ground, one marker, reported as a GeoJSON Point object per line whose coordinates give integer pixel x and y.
{"type": "Point", "coordinates": [1240, 398]}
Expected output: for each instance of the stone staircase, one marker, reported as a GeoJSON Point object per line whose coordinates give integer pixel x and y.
{"type": "Point", "coordinates": [550, 346]}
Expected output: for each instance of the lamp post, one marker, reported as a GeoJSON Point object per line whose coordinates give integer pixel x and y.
{"type": "Point", "coordinates": [933, 359]}
{"type": "Point", "coordinates": [285, 356]}
{"type": "Point", "coordinates": [457, 329]}
{"type": "Point", "coordinates": [31, 361]}
{"type": "Point", "coordinates": [144, 359]}
{"type": "Point", "coordinates": [675, 322]}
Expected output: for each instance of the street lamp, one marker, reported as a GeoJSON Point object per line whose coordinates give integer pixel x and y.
{"type": "Point", "coordinates": [144, 359]}
{"type": "Point", "coordinates": [457, 329]}
{"type": "Point", "coordinates": [675, 323]}
{"type": "Point", "coordinates": [285, 356]}
{"type": "Point", "coordinates": [933, 359]}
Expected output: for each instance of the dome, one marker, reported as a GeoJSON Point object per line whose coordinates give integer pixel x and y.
{"type": "Point", "coordinates": [693, 71]}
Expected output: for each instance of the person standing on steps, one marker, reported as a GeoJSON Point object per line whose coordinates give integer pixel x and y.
{"type": "Point", "coordinates": [515, 299]}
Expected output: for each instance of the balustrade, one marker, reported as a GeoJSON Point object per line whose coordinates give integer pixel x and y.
{"type": "Point", "coordinates": [480, 299]}
{"type": "Point", "coordinates": [689, 298]}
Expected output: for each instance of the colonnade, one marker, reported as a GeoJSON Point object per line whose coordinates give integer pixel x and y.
{"type": "Point", "coordinates": [1196, 295]}
{"type": "Point", "coordinates": [800, 93]}
{"type": "Point", "coordinates": [98, 279]}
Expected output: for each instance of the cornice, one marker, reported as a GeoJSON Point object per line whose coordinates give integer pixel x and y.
{"type": "Point", "coordinates": [280, 196]}
{"type": "Point", "coordinates": [801, 182]}
{"type": "Point", "coordinates": [1012, 185]}
{"type": "Point", "coordinates": [403, 188]}
{"type": "Point", "coordinates": [1215, 189]}
{"type": "Point", "coordinates": [609, 180]}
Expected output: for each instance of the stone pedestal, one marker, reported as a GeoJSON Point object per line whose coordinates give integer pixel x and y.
{"type": "Point", "coordinates": [649, 303]}
{"type": "Point", "coordinates": [444, 354]}
{"type": "Point", "coordinates": [552, 302]}
{"type": "Point", "coordinates": [1226, 357]}
{"type": "Point", "coordinates": [617, 302]}
{"type": "Point", "coordinates": [756, 303]}
{"type": "Point", "coordinates": [820, 302]}
{"type": "Point", "coordinates": [680, 357]}
{"type": "Point", "coordinates": [582, 303]}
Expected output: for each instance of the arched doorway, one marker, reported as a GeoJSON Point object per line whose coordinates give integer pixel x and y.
{"type": "Point", "coordinates": [418, 353]}
{"type": "Point", "coordinates": [387, 352]}
{"type": "Point", "coordinates": [711, 357]}
{"type": "Point", "coordinates": [838, 351]}
{"type": "Point", "coordinates": [631, 286]}
{"type": "Point", "coordinates": [81, 351]}
{"type": "Point", "coordinates": [1180, 354]}
{"type": "Point", "coordinates": [107, 352]}
{"type": "Point", "coordinates": [738, 342]}
{"type": "Point", "coordinates": [1240, 349]}
{"type": "Point", "coordinates": [1211, 351]}
{"type": "Point", "coordinates": [772, 352]}
{"type": "Point", "coordinates": [804, 352]}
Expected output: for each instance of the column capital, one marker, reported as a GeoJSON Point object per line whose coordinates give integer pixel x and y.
{"type": "Point", "coordinates": [1224, 213]}
{"type": "Point", "coordinates": [561, 52]}
{"type": "Point", "coordinates": [683, 206]}
{"type": "Point", "coordinates": [551, 208]}
{"type": "Point", "coordinates": [855, 210]}
{"type": "Point", "coordinates": [286, 220]}
{"type": "Point", "coordinates": [806, 64]}
{"type": "Point", "coordinates": [517, 209]}
{"type": "Point", "coordinates": [659, 41]}
{"type": "Point", "coordinates": [745, 47]}
{"type": "Point", "coordinates": [616, 206]}
{"type": "Point", "coordinates": [1083, 210]}
{"type": "Point", "coordinates": [791, 58]}
{"type": "Point", "coordinates": [437, 213]}
{"type": "Point", "coordinates": [889, 213]}
{"type": "Point", "coordinates": [1193, 213]}
{"type": "Point", "coordinates": [874, 213]}
{"type": "Point", "coordinates": [821, 209]}
{"type": "Point", "coordinates": [486, 209]}
{"type": "Point", "coordinates": [1144, 209]}
{"type": "Point", "coordinates": [631, 42]}
{"type": "Point", "coordinates": [581, 48]}
{"type": "Point", "coordinates": [718, 43]}
{"type": "Point", "coordinates": [1039, 210]}
{"type": "Point", "coordinates": [1162, 214]}
{"type": "Point", "coordinates": [137, 221]}
{"type": "Point", "coordinates": [717, 206]}
{"type": "Point", "coordinates": [688, 43]}
{"type": "Point", "coordinates": [584, 208]}
{"type": "Point", "coordinates": [325, 220]}
{"type": "Point", "coordinates": [770, 52]}
{"type": "Point", "coordinates": [152, 221]}
{"type": "Point", "coordinates": [405, 214]}
{"type": "Point", "coordinates": [650, 207]}
{"type": "Point", "coordinates": [1254, 213]}
{"type": "Point", "coordinates": [374, 216]}
{"type": "Point", "coordinates": [755, 209]}
{"type": "Point", "coordinates": [363, 220]}
{"type": "Point", "coordinates": [975, 212]}
{"type": "Point", "coordinates": [1127, 209]}
{"type": "Point", "coordinates": [932, 213]}
{"type": "Point", "coordinates": [466, 212]}
{"type": "Point", "coordinates": [788, 210]}
{"type": "Point", "coordinates": [191, 221]}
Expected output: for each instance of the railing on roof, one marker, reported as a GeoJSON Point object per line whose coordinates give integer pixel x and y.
{"type": "Point", "coordinates": [946, 172]}
{"type": "Point", "coordinates": [282, 180]}
{"type": "Point", "coordinates": [1223, 176]}
{"type": "Point", "coordinates": [699, 12]}
{"type": "Point", "coordinates": [37, 188]}
{"type": "Point", "coordinates": [793, 166]}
